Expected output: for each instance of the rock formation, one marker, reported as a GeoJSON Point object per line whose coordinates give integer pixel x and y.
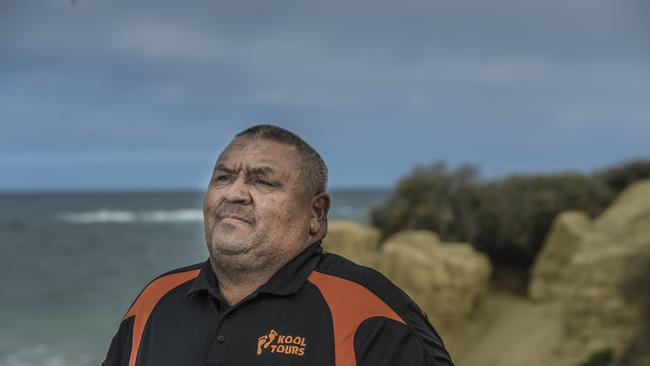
{"type": "Point", "coordinates": [563, 241]}
{"type": "Point", "coordinates": [447, 280]}
{"type": "Point", "coordinates": [355, 241]}
{"type": "Point", "coordinates": [596, 315]}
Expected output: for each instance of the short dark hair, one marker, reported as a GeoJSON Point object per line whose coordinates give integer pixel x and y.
{"type": "Point", "coordinates": [314, 170]}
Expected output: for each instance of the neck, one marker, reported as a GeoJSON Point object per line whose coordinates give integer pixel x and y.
{"type": "Point", "coordinates": [236, 288]}
{"type": "Point", "coordinates": [240, 276]}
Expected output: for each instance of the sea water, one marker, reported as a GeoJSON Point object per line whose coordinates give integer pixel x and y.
{"type": "Point", "coordinates": [72, 263]}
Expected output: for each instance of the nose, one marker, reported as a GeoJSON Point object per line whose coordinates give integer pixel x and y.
{"type": "Point", "coordinates": [237, 191]}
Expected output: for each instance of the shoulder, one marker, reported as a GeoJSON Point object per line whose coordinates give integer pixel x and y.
{"type": "Point", "coordinates": [160, 286]}
{"type": "Point", "coordinates": [338, 271]}
{"type": "Point", "coordinates": [192, 268]}
{"type": "Point", "coordinates": [366, 305]}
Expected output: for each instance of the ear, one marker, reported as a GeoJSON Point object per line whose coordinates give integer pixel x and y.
{"type": "Point", "coordinates": [320, 206]}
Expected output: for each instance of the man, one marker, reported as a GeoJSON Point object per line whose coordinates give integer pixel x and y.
{"type": "Point", "coordinates": [268, 294]}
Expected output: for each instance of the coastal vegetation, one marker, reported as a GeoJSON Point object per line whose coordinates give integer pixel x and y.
{"type": "Point", "coordinates": [506, 218]}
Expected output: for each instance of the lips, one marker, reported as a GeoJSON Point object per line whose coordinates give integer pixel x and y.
{"type": "Point", "coordinates": [235, 213]}
{"type": "Point", "coordinates": [234, 217]}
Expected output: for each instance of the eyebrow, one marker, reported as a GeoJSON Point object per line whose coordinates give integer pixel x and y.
{"type": "Point", "coordinates": [263, 170]}
{"type": "Point", "coordinates": [223, 168]}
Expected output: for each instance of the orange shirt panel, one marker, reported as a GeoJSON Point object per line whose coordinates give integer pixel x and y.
{"type": "Point", "coordinates": [145, 303]}
{"type": "Point", "coordinates": [350, 304]}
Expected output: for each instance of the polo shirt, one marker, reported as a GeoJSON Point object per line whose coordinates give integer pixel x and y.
{"type": "Point", "coordinates": [320, 309]}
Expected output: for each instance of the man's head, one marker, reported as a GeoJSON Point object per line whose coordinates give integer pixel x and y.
{"type": "Point", "coordinates": [311, 165]}
{"type": "Point", "coordinates": [266, 200]}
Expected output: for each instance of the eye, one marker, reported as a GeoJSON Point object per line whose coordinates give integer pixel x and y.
{"type": "Point", "coordinates": [263, 182]}
{"type": "Point", "coordinates": [223, 178]}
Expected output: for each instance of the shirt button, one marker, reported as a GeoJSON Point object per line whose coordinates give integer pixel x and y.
{"type": "Point", "coordinates": [221, 339]}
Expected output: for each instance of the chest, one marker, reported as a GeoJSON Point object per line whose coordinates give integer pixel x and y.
{"type": "Point", "coordinates": [294, 330]}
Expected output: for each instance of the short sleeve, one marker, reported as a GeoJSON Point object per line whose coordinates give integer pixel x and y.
{"type": "Point", "coordinates": [119, 351]}
{"type": "Point", "coordinates": [381, 341]}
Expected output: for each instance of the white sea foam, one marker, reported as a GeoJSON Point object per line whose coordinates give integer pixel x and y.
{"type": "Point", "coordinates": [171, 216]}
{"type": "Point", "coordinates": [119, 216]}
{"type": "Point", "coordinates": [98, 216]}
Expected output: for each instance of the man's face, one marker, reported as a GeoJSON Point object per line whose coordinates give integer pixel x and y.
{"type": "Point", "coordinates": [256, 207]}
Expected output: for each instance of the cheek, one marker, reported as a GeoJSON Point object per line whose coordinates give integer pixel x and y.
{"type": "Point", "coordinates": [212, 197]}
{"type": "Point", "coordinates": [283, 214]}
{"type": "Point", "coordinates": [209, 206]}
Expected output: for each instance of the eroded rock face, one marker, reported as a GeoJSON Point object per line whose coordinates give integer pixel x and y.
{"type": "Point", "coordinates": [548, 278]}
{"type": "Point", "coordinates": [355, 241]}
{"type": "Point", "coordinates": [597, 261]}
{"type": "Point", "coordinates": [597, 315]}
{"type": "Point", "coordinates": [447, 280]}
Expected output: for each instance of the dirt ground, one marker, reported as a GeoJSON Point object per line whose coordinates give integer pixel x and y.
{"type": "Point", "coordinates": [507, 330]}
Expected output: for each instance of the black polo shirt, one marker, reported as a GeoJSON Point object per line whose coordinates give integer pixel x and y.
{"type": "Point", "coordinates": [319, 309]}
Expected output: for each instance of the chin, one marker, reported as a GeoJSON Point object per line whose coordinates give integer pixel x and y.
{"type": "Point", "coordinates": [229, 246]}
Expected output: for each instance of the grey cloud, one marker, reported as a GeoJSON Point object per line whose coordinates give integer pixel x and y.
{"type": "Point", "coordinates": [169, 75]}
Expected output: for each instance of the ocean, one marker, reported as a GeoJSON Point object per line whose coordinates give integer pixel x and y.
{"type": "Point", "coordinates": [72, 263]}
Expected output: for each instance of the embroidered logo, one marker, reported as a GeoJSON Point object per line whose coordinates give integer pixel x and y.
{"type": "Point", "coordinates": [285, 344]}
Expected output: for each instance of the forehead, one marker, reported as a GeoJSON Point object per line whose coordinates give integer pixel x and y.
{"type": "Point", "coordinates": [246, 152]}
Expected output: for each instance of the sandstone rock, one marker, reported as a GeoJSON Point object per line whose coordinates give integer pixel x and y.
{"type": "Point", "coordinates": [563, 241]}
{"type": "Point", "coordinates": [355, 241]}
{"type": "Point", "coordinates": [446, 280]}
{"type": "Point", "coordinates": [596, 315]}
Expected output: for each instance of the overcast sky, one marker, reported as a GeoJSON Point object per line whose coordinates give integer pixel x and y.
{"type": "Point", "coordinates": [99, 94]}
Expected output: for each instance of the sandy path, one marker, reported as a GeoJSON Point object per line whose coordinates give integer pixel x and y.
{"type": "Point", "coordinates": [508, 330]}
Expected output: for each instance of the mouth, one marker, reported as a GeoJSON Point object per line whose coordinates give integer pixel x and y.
{"type": "Point", "coordinates": [233, 218]}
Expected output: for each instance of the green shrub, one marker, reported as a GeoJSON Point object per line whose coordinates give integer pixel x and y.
{"type": "Point", "coordinates": [620, 176]}
{"type": "Point", "coordinates": [507, 218]}
{"type": "Point", "coordinates": [433, 198]}
{"type": "Point", "coordinates": [600, 358]}
{"type": "Point", "coordinates": [516, 213]}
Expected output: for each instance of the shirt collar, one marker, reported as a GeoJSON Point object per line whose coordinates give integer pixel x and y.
{"type": "Point", "coordinates": [206, 279]}
{"type": "Point", "coordinates": [286, 281]}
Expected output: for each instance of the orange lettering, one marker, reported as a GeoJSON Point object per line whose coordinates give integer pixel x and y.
{"type": "Point", "coordinates": [287, 344]}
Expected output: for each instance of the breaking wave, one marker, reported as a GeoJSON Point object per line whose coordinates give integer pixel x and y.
{"type": "Point", "coordinates": [119, 216]}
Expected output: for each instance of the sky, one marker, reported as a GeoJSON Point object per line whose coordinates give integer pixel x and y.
{"type": "Point", "coordinates": [102, 95]}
